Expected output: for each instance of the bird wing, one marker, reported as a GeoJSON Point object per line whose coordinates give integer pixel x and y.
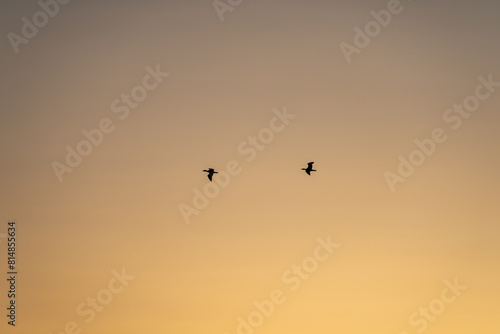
{"type": "Point", "coordinates": [210, 176]}
{"type": "Point", "coordinates": [308, 172]}
{"type": "Point", "coordinates": [310, 165]}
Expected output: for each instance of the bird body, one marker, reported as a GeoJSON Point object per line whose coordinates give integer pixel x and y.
{"type": "Point", "coordinates": [211, 173]}
{"type": "Point", "coordinates": [309, 168]}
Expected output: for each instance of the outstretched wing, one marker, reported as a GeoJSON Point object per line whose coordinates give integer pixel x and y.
{"type": "Point", "coordinates": [210, 176]}
{"type": "Point", "coordinates": [308, 172]}
{"type": "Point", "coordinates": [310, 165]}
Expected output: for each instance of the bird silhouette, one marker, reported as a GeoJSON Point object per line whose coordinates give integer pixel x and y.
{"type": "Point", "coordinates": [309, 168]}
{"type": "Point", "coordinates": [211, 173]}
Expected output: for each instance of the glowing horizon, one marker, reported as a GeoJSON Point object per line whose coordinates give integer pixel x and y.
{"type": "Point", "coordinates": [111, 112]}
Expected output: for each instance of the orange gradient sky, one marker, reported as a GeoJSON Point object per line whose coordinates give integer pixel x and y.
{"type": "Point", "coordinates": [119, 208]}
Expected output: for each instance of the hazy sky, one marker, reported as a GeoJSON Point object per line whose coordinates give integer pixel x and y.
{"type": "Point", "coordinates": [121, 205]}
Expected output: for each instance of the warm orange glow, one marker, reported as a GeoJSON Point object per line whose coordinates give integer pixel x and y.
{"type": "Point", "coordinates": [119, 207]}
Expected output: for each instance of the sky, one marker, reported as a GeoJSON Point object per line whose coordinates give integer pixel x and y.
{"type": "Point", "coordinates": [111, 110]}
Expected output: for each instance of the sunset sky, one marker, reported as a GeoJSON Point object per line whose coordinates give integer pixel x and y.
{"type": "Point", "coordinates": [265, 87]}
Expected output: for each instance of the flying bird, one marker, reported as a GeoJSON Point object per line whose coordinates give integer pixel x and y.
{"type": "Point", "coordinates": [211, 173]}
{"type": "Point", "coordinates": [309, 168]}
